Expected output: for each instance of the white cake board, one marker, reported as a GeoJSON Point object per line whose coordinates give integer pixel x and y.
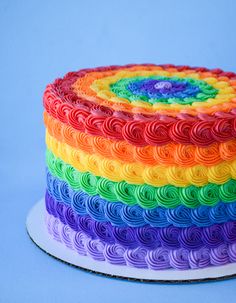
{"type": "Point", "coordinates": [38, 233]}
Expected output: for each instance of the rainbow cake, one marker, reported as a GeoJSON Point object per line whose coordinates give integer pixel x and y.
{"type": "Point", "coordinates": [141, 165]}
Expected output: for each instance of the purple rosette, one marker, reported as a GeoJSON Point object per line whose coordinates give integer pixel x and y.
{"type": "Point", "coordinates": [169, 237]}
{"type": "Point", "coordinates": [158, 259]}
{"type": "Point", "coordinates": [79, 242]}
{"type": "Point", "coordinates": [232, 252]}
{"type": "Point", "coordinates": [103, 231]}
{"type": "Point", "coordinates": [179, 258]}
{"type": "Point", "coordinates": [199, 258]}
{"type": "Point", "coordinates": [125, 236]}
{"type": "Point", "coordinates": [136, 257]}
{"type": "Point", "coordinates": [56, 229]}
{"type": "Point", "coordinates": [50, 204]}
{"type": "Point", "coordinates": [229, 232]}
{"type": "Point", "coordinates": [86, 225]}
{"type": "Point", "coordinates": [95, 249]}
{"type": "Point", "coordinates": [191, 237]}
{"type": "Point", "coordinates": [212, 236]}
{"type": "Point", "coordinates": [60, 211]}
{"type": "Point", "coordinates": [148, 237]}
{"type": "Point", "coordinates": [114, 254]}
{"type": "Point", "coordinates": [66, 236]}
{"type": "Point", "coordinates": [219, 255]}
{"type": "Point", "coordinates": [71, 218]}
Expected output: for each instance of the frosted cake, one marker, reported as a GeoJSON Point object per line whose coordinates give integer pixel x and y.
{"type": "Point", "coordinates": [141, 165]}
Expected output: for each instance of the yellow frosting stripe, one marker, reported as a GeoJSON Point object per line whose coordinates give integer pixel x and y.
{"type": "Point", "coordinates": [136, 173]}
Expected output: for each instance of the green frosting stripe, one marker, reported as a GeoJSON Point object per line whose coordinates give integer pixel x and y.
{"type": "Point", "coordinates": [146, 196]}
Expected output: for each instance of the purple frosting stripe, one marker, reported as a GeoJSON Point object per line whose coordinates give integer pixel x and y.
{"type": "Point", "coordinates": [147, 237]}
{"type": "Point", "coordinates": [160, 258]}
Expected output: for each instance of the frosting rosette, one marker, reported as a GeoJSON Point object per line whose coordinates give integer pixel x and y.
{"type": "Point", "coordinates": [141, 165]}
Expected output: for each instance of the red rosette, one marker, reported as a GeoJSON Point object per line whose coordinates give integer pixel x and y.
{"type": "Point", "coordinates": [234, 127]}
{"type": "Point", "coordinates": [112, 128]}
{"type": "Point", "coordinates": [63, 111]}
{"type": "Point", "coordinates": [216, 71]}
{"type": "Point", "coordinates": [54, 104]}
{"type": "Point", "coordinates": [201, 69]}
{"type": "Point", "coordinates": [180, 131]}
{"type": "Point", "coordinates": [133, 132]}
{"type": "Point", "coordinates": [222, 129]}
{"type": "Point", "coordinates": [47, 98]}
{"type": "Point", "coordinates": [179, 68]}
{"type": "Point", "coordinates": [93, 125]}
{"type": "Point", "coordinates": [228, 75]}
{"type": "Point", "coordinates": [77, 117]}
{"type": "Point", "coordinates": [156, 133]}
{"type": "Point", "coordinates": [201, 133]}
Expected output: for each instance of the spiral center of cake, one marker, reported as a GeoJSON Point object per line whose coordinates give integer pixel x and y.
{"type": "Point", "coordinates": [160, 89]}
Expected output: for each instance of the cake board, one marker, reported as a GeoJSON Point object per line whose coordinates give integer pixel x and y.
{"type": "Point", "coordinates": [38, 233]}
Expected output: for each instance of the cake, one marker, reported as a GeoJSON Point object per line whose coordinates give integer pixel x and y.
{"type": "Point", "coordinates": [141, 165]}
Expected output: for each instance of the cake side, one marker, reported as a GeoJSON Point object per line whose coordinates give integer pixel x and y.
{"type": "Point", "coordinates": [141, 165]}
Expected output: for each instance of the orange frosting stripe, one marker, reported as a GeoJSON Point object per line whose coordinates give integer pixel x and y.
{"type": "Point", "coordinates": [169, 154]}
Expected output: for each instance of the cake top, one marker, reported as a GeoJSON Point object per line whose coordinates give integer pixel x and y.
{"type": "Point", "coordinates": [147, 104]}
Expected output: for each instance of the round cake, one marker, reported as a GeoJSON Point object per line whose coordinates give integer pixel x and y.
{"type": "Point", "coordinates": [141, 165]}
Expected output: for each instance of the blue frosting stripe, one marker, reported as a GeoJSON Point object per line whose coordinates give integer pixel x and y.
{"type": "Point", "coordinates": [170, 237]}
{"type": "Point", "coordinates": [119, 214]}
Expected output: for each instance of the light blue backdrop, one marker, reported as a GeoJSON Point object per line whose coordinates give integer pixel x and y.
{"type": "Point", "coordinates": [41, 40]}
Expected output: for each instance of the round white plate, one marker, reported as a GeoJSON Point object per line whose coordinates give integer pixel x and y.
{"type": "Point", "coordinates": [38, 233]}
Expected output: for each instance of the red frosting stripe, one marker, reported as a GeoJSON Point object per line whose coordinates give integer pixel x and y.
{"type": "Point", "coordinates": [139, 129]}
{"type": "Point", "coordinates": [169, 154]}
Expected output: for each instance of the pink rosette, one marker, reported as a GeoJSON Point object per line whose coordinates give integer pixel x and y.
{"type": "Point", "coordinates": [100, 110]}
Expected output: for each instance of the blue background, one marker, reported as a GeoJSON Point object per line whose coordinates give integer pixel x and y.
{"type": "Point", "coordinates": [42, 40]}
